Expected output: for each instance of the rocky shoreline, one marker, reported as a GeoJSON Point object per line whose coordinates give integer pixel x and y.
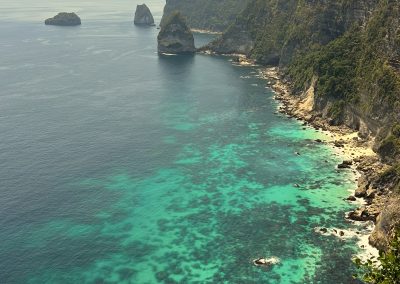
{"type": "Point", "coordinates": [376, 208]}
{"type": "Point", "coordinates": [372, 196]}
{"type": "Point", "coordinates": [209, 32]}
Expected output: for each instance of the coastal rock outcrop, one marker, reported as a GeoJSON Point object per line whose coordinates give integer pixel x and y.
{"type": "Point", "coordinates": [386, 224]}
{"type": "Point", "coordinates": [64, 19]}
{"type": "Point", "coordinates": [345, 165]}
{"type": "Point", "coordinates": [143, 16]}
{"type": "Point", "coordinates": [175, 36]}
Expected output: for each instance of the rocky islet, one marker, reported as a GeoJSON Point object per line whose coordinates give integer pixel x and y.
{"type": "Point", "coordinates": [64, 19]}
{"type": "Point", "coordinates": [143, 16]}
{"type": "Point", "coordinates": [175, 36]}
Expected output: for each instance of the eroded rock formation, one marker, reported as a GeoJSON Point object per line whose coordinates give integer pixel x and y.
{"type": "Point", "coordinates": [143, 16]}
{"type": "Point", "coordinates": [64, 19]}
{"type": "Point", "coordinates": [175, 36]}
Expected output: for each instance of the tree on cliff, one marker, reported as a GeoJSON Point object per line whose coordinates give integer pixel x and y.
{"type": "Point", "coordinates": [388, 271]}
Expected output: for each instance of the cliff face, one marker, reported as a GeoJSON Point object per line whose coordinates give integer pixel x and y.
{"type": "Point", "coordinates": [276, 29]}
{"type": "Point", "coordinates": [350, 47]}
{"type": "Point", "coordinates": [206, 14]}
{"type": "Point", "coordinates": [358, 76]}
{"type": "Point", "coordinates": [175, 36]}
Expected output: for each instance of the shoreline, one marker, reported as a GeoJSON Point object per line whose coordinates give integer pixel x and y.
{"type": "Point", "coordinates": [200, 31]}
{"type": "Point", "coordinates": [357, 155]}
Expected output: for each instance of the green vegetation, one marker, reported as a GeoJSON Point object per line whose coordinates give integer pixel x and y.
{"type": "Point", "coordinates": [385, 269]}
{"type": "Point", "coordinates": [354, 61]}
{"type": "Point", "coordinates": [358, 69]}
{"type": "Point", "coordinates": [174, 18]}
{"type": "Point", "coordinates": [334, 66]}
{"type": "Point", "coordinates": [206, 14]}
{"type": "Point", "coordinates": [390, 178]}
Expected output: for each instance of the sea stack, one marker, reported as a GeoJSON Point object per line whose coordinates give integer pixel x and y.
{"type": "Point", "coordinates": [175, 36]}
{"type": "Point", "coordinates": [143, 16]}
{"type": "Point", "coordinates": [64, 19]}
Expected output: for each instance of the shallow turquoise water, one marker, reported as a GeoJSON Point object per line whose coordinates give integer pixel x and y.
{"type": "Point", "coordinates": [119, 166]}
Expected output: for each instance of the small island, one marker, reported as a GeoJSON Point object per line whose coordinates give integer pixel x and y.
{"type": "Point", "coordinates": [175, 36]}
{"type": "Point", "coordinates": [64, 19]}
{"type": "Point", "coordinates": [143, 16]}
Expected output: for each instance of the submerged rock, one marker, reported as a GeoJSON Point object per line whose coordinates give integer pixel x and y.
{"type": "Point", "coordinates": [143, 16]}
{"type": "Point", "coordinates": [64, 19]}
{"type": "Point", "coordinates": [175, 36]}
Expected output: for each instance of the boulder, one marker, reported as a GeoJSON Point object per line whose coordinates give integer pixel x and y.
{"type": "Point", "coordinates": [175, 36]}
{"type": "Point", "coordinates": [323, 230]}
{"type": "Point", "coordinates": [143, 16]}
{"type": "Point", "coordinates": [360, 192]}
{"type": "Point", "coordinates": [351, 198]}
{"type": "Point", "coordinates": [362, 214]}
{"type": "Point", "coordinates": [345, 165]}
{"type": "Point", "coordinates": [64, 19]}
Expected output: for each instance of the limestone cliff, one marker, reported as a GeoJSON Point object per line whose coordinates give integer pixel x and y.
{"type": "Point", "coordinates": [351, 47]}
{"type": "Point", "coordinates": [143, 16]}
{"type": "Point", "coordinates": [206, 14]}
{"type": "Point", "coordinates": [272, 31]}
{"type": "Point", "coordinates": [175, 36]}
{"type": "Point", "coordinates": [64, 19]}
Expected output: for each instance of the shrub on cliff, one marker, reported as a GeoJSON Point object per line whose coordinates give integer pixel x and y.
{"type": "Point", "coordinates": [388, 271]}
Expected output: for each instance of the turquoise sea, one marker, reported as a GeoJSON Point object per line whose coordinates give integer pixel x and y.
{"type": "Point", "coordinates": [120, 166]}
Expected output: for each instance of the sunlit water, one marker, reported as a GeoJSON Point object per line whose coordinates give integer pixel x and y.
{"type": "Point", "coordinates": [120, 166]}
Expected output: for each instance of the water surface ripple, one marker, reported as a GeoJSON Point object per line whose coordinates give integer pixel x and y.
{"type": "Point", "coordinates": [120, 166]}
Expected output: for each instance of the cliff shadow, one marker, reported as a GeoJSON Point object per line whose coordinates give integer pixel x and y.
{"type": "Point", "coordinates": [176, 65]}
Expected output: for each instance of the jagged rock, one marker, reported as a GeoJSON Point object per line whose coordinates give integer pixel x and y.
{"type": "Point", "coordinates": [386, 224]}
{"type": "Point", "coordinates": [345, 165]}
{"type": "Point", "coordinates": [362, 184]}
{"type": "Point", "coordinates": [175, 36]}
{"type": "Point", "coordinates": [323, 230]}
{"type": "Point", "coordinates": [351, 198]}
{"type": "Point", "coordinates": [360, 192]}
{"type": "Point", "coordinates": [143, 16]}
{"type": "Point", "coordinates": [370, 193]}
{"type": "Point", "coordinates": [64, 19]}
{"type": "Point", "coordinates": [361, 214]}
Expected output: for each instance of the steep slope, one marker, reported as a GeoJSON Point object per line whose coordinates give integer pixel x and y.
{"type": "Point", "coordinates": [206, 14]}
{"type": "Point", "coordinates": [350, 47]}
{"type": "Point", "coordinates": [358, 82]}
{"type": "Point", "coordinates": [274, 29]}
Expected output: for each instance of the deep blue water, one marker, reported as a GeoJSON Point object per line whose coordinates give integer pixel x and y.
{"type": "Point", "coordinates": [120, 166]}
